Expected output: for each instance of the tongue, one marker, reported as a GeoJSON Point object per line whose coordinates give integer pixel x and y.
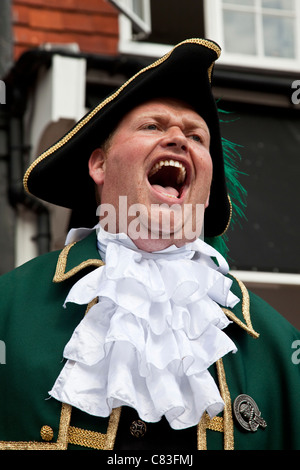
{"type": "Point", "coordinates": [166, 190]}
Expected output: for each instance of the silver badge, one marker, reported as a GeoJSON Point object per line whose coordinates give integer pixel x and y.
{"type": "Point", "coordinates": [247, 413]}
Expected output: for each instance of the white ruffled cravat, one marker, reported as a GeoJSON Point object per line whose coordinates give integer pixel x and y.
{"type": "Point", "coordinates": [156, 329]}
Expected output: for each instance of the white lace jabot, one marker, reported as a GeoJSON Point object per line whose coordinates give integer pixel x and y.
{"type": "Point", "coordinates": [154, 332]}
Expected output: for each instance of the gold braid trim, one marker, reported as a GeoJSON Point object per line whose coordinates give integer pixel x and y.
{"type": "Point", "coordinates": [113, 428]}
{"type": "Point", "coordinates": [229, 218]}
{"type": "Point", "coordinates": [215, 424]}
{"type": "Point", "coordinates": [245, 311]}
{"type": "Point", "coordinates": [227, 414]}
{"type": "Point", "coordinates": [96, 440]}
{"type": "Point", "coordinates": [85, 438]}
{"type": "Point", "coordinates": [72, 435]}
{"type": "Point", "coordinates": [61, 274]}
{"type": "Point", "coordinates": [218, 423]}
{"type": "Point", "coordinates": [60, 444]}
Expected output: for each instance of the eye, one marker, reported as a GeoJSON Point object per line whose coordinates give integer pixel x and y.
{"type": "Point", "coordinates": [196, 138]}
{"type": "Point", "coordinates": [201, 138]}
{"type": "Point", "coordinates": [151, 127]}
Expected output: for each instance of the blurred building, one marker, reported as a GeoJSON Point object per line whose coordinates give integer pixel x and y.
{"type": "Point", "coordinates": [58, 59]}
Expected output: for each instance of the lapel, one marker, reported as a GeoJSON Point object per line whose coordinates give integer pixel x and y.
{"type": "Point", "coordinates": [77, 257]}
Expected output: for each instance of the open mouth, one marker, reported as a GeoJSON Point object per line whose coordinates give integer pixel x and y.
{"type": "Point", "coordinates": [168, 177]}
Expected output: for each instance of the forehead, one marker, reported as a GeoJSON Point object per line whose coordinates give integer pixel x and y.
{"type": "Point", "coordinates": [164, 108]}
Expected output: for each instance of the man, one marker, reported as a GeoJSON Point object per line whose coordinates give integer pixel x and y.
{"type": "Point", "coordinates": [163, 349]}
{"type": "Point", "coordinates": [150, 139]}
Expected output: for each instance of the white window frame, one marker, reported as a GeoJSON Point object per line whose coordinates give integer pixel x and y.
{"type": "Point", "coordinates": [142, 25]}
{"type": "Point", "coordinates": [215, 30]}
{"type": "Point", "coordinates": [127, 44]}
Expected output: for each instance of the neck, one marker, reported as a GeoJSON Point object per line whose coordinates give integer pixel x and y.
{"type": "Point", "coordinates": [149, 245]}
{"type": "Point", "coordinates": [149, 241]}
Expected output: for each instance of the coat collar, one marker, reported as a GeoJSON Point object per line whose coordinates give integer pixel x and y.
{"type": "Point", "coordinates": [78, 256]}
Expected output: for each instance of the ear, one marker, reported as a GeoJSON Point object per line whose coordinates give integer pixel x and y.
{"type": "Point", "coordinates": [97, 166]}
{"type": "Point", "coordinates": [207, 201]}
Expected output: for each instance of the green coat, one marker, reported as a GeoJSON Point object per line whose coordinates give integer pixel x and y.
{"type": "Point", "coordinates": [34, 327]}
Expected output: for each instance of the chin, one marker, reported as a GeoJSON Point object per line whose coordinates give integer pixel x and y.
{"type": "Point", "coordinates": [150, 245]}
{"type": "Point", "coordinates": [162, 242]}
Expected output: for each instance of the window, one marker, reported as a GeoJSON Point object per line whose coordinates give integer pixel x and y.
{"type": "Point", "coordinates": [252, 33]}
{"type": "Point", "coordinates": [138, 12]}
{"type": "Point", "coordinates": [171, 21]}
{"type": "Point", "coordinates": [257, 33]}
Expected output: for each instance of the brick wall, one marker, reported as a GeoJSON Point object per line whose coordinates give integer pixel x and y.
{"type": "Point", "coordinates": [92, 24]}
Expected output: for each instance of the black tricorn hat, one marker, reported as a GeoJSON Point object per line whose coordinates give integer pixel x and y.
{"type": "Point", "coordinates": [60, 175]}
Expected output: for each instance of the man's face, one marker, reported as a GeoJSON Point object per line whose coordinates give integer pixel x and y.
{"type": "Point", "coordinates": [158, 158]}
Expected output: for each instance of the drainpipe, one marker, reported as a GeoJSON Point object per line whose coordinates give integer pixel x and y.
{"type": "Point", "coordinates": [16, 192]}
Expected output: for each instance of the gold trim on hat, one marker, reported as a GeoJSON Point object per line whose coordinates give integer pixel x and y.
{"type": "Point", "coordinates": [229, 218]}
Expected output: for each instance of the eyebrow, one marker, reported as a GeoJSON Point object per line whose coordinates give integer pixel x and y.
{"type": "Point", "coordinates": [190, 123]}
{"type": "Point", "coordinates": [193, 124]}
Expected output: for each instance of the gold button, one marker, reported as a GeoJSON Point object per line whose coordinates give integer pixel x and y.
{"type": "Point", "coordinates": [47, 433]}
{"type": "Point", "coordinates": [138, 428]}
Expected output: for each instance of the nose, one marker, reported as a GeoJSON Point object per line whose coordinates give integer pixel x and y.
{"type": "Point", "coordinates": [176, 138]}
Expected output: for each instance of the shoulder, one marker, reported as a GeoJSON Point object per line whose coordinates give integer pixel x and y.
{"type": "Point", "coordinates": [269, 319]}
{"type": "Point", "coordinates": [44, 267]}
{"type": "Point", "coordinates": [45, 280]}
{"type": "Point", "coordinates": [39, 269]}
{"type": "Point", "coordinates": [33, 263]}
{"type": "Point", "coordinates": [261, 314]}
{"type": "Point", "coordinates": [28, 291]}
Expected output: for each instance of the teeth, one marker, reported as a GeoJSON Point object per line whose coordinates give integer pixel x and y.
{"type": "Point", "coordinates": [160, 164]}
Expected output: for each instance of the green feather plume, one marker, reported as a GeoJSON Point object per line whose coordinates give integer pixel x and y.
{"type": "Point", "coordinates": [236, 192]}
